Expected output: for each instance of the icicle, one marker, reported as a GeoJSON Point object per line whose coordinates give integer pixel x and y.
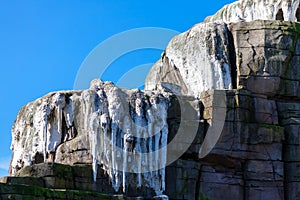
{"type": "Point", "coordinates": [95, 163]}
{"type": "Point", "coordinates": [152, 138]}
{"type": "Point", "coordinates": [59, 114]}
{"type": "Point", "coordinates": [104, 151]}
{"type": "Point", "coordinates": [151, 133]}
{"type": "Point", "coordinates": [88, 102]}
{"type": "Point", "coordinates": [45, 113]}
{"type": "Point", "coordinates": [126, 140]}
{"type": "Point", "coordinates": [163, 157]}
{"type": "Point", "coordinates": [60, 103]}
{"type": "Point", "coordinates": [110, 132]}
{"type": "Point", "coordinates": [68, 113]}
{"type": "Point", "coordinates": [137, 153]}
{"type": "Point", "coordinates": [104, 125]}
{"type": "Point", "coordinates": [97, 121]}
{"type": "Point", "coordinates": [164, 142]}
{"type": "Point", "coordinates": [45, 137]}
{"type": "Point", "coordinates": [156, 147]}
{"type": "Point", "coordinates": [138, 116]}
{"type": "Point", "coordinates": [113, 157]}
{"type": "Point", "coordinates": [117, 175]}
{"type": "Point", "coordinates": [95, 129]}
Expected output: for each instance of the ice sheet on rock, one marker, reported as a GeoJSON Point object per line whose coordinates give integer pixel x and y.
{"type": "Point", "coordinates": [125, 129]}
{"type": "Point", "coordinates": [39, 129]}
{"type": "Point", "coordinates": [201, 57]}
{"type": "Point", "coordinates": [245, 10]}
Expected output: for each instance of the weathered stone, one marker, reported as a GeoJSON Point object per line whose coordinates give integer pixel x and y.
{"type": "Point", "coordinates": [265, 56]}
{"type": "Point", "coordinates": [292, 134]}
{"type": "Point", "coordinates": [293, 167]}
{"type": "Point", "coordinates": [221, 175]}
{"type": "Point", "coordinates": [58, 183]}
{"type": "Point", "coordinates": [183, 174]}
{"type": "Point", "coordinates": [34, 181]}
{"type": "Point", "coordinates": [271, 84]}
{"type": "Point", "coordinates": [265, 151]}
{"type": "Point", "coordinates": [292, 190]}
{"type": "Point", "coordinates": [264, 191]}
{"type": "Point", "coordinates": [225, 191]}
{"type": "Point", "coordinates": [267, 134]}
{"type": "Point", "coordinates": [197, 62]}
{"type": "Point", "coordinates": [228, 94]}
{"type": "Point", "coordinates": [292, 153]}
{"type": "Point", "coordinates": [264, 170]}
{"type": "Point", "coordinates": [46, 169]}
{"type": "Point", "coordinates": [24, 192]}
{"type": "Point", "coordinates": [288, 109]}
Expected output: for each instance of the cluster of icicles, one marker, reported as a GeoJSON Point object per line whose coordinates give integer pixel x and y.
{"type": "Point", "coordinates": [126, 131]}
{"type": "Point", "coordinates": [128, 137]}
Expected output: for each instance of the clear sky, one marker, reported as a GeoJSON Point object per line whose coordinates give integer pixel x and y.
{"type": "Point", "coordinates": [43, 44]}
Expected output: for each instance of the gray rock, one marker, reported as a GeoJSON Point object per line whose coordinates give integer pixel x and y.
{"type": "Point", "coordinates": [194, 61]}
{"type": "Point", "coordinates": [228, 93]}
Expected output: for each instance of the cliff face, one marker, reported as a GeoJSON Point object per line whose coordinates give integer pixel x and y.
{"type": "Point", "coordinates": [219, 119]}
{"type": "Point", "coordinates": [194, 61]}
{"type": "Point", "coordinates": [256, 155]}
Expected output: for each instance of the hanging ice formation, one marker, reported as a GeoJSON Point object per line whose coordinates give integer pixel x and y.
{"type": "Point", "coordinates": [128, 132]}
{"type": "Point", "coordinates": [125, 130]}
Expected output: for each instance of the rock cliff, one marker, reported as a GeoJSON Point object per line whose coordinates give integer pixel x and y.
{"type": "Point", "coordinates": [256, 154]}
{"type": "Point", "coordinates": [219, 119]}
{"type": "Point", "coordinates": [194, 61]}
{"type": "Point", "coordinates": [121, 130]}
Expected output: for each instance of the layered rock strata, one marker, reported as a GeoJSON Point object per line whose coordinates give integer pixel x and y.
{"type": "Point", "coordinates": [221, 110]}
{"type": "Point", "coordinates": [256, 154]}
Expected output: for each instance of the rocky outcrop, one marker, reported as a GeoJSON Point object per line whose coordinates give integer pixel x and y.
{"type": "Point", "coordinates": [219, 119]}
{"type": "Point", "coordinates": [194, 61]}
{"type": "Point", "coordinates": [256, 154]}
{"type": "Point", "coordinates": [250, 10]}
{"type": "Point", "coordinates": [120, 130]}
{"type": "Point", "coordinates": [268, 56]}
{"type": "Point", "coordinates": [52, 181]}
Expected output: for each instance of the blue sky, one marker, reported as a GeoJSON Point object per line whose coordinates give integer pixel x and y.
{"type": "Point", "coordinates": [43, 44]}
